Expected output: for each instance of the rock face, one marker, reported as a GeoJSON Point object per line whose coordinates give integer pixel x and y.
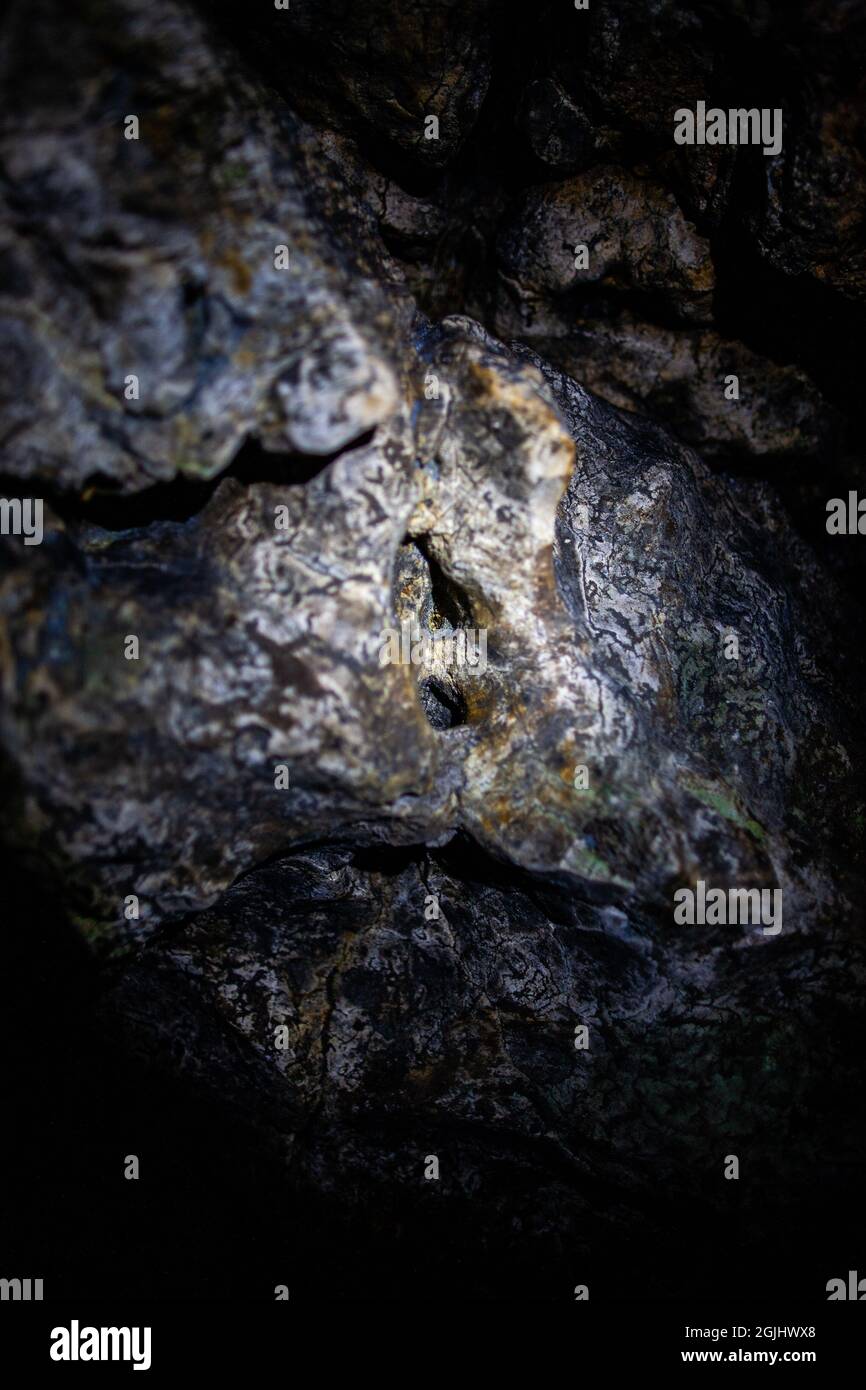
{"type": "Point", "coordinates": [148, 326]}
{"type": "Point", "coordinates": [631, 232]}
{"type": "Point", "coordinates": [406, 1036]}
{"type": "Point", "coordinates": [534, 514]}
{"type": "Point", "coordinates": [391, 658]}
{"type": "Point", "coordinates": [641, 366]}
{"type": "Point", "coordinates": [379, 71]}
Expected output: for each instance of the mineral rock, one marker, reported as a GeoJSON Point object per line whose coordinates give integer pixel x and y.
{"type": "Point", "coordinates": [391, 658]}
{"type": "Point", "coordinates": [683, 377]}
{"type": "Point", "coordinates": [148, 324]}
{"type": "Point", "coordinates": [603, 562]}
{"type": "Point", "coordinates": [635, 236]}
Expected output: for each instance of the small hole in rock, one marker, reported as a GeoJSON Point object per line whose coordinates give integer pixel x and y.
{"type": "Point", "coordinates": [443, 706]}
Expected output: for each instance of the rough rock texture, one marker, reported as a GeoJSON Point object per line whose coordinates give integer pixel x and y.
{"type": "Point", "coordinates": [156, 257]}
{"type": "Point", "coordinates": [377, 70]}
{"type": "Point", "coordinates": [433, 418]}
{"type": "Point", "coordinates": [454, 1036]}
{"type": "Point", "coordinates": [634, 234]}
{"type": "Point", "coordinates": [560, 133]}
{"type": "Point", "coordinates": [260, 647]}
{"type": "Point", "coordinates": [642, 366]}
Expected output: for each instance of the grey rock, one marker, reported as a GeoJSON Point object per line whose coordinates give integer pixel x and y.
{"type": "Point", "coordinates": [378, 70]}
{"type": "Point", "coordinates": [681, 376]}
{"type": "Point", "coordinates": [560, 133]}
{"type": "Point", "coordinates": [342, 458]}
{"type": "Point", "coordinates": [429, 1008]}
{"type": "Point", "coordinates": [810, 220]}
{"type": "Point", "coordinates": [636, 236]}
{"type": "Point", "coordinates": [605, 566]}
{"type": "Point", "coordinates": [156, 258]}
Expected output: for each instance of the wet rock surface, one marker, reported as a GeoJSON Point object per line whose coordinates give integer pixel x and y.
{"type": "Point", "coordinates": [429, 418]}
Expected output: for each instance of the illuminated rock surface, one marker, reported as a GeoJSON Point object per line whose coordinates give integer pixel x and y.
{"type": "Point", "coordinates": [431, 417]}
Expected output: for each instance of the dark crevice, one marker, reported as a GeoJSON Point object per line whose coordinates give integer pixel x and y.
{"type": "Point", "coordinates": [388, 860]}
{"type": "Point", "coordinates": [556, 897]}
{"type": "Point", "coordinates": [788, 319]}
{"type": "Point", "coordinates": [443, 705]}
{"type": "Point", "coordinates": [182, 498]}
{"type": "Point", "coordinates": [450, 601]}
{"type": "Point", "coordinates": [429, 598]}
